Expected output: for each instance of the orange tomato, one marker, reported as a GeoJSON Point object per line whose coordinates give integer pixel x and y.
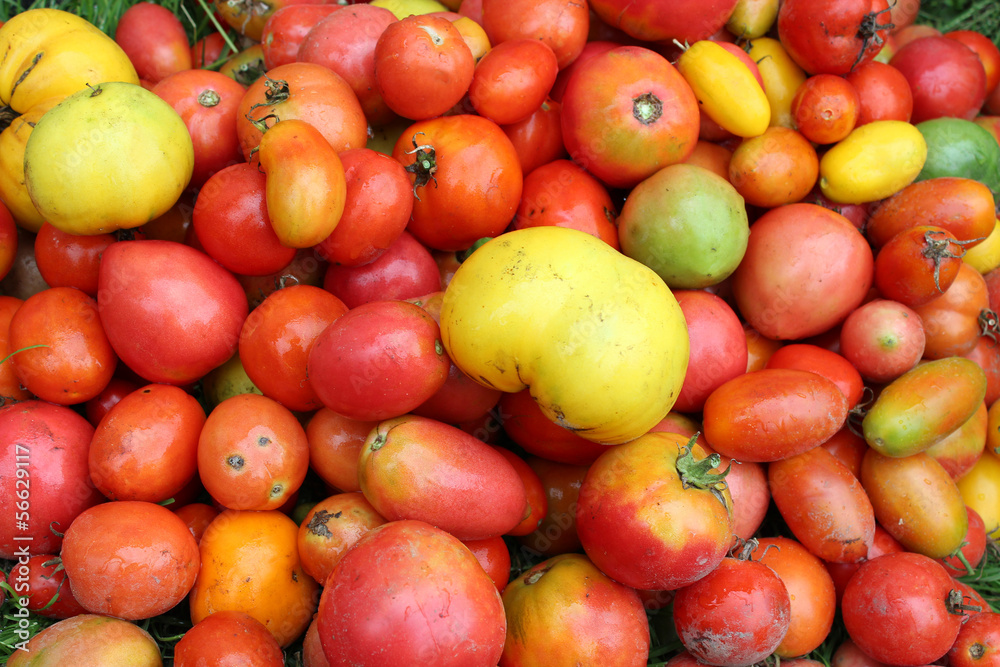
{"type": "Point", "coordinates": [332, 527]}
{"type": "Point", "coordinates": [774, 168]}
{"type": "Point", "coordinates": [952, 321]}
{"type": "Point", "coordinates": [335, 444]}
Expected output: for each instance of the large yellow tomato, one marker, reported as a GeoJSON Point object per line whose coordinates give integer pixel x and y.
{"type": "Point", "coordinates": [48, 54]}
{"type": "Point", "coordinates": [113, 156]}
{"type": "Point", "coordinates": [598, 338]}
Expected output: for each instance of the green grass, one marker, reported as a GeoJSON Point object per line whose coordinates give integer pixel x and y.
{"type": "Point", "coordinates": [983, 16]}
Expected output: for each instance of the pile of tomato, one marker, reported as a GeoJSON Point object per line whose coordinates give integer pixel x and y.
{"type": "Point", "coordinates": [485, 332]}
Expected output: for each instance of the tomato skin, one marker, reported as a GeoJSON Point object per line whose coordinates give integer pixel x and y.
{"type": "Point", "coordinates": [405, 270]}
{"type": "Point", "coordinates": [228, 636]}
{"type": "Point", "coordinates": [824, 505]}
{"type": "Point", "coordinates": [335, 442]}
{"type": "Point", "coordinates": [977, 642]}
{"type": "Point", "coordinates": [44, 582]}
{"type": "Point", "coordinates": [742, 604]}
{"type": "Point", "coordinates": [155, 41]}
{"type": "Point", "coordinates": [208, 49]}
{"type": "Point", "coordinates": [70, 260]}
{"type": "Point", "coordinates": [556, 534]}
{"type": "Point", "coordinates": [883, 93]}
{"type": "Point", "coordinates": [686, 21]}
{"type": "Point", "coordinates": [826, 108]}
{"type": "Point", "coordinates": [528, 426]}
{"type": "Point", "coordinates": [826, 38]}
{"type": "Point", "coordinates": [973, 547]}
{"type": "Point", "coordinates": [727, 91]}
{"type": "Point", "coordinates": [895, 609]}
{"type": "Point", "coordinates": [394, 569]}
{"type": "Point", "coordinates": [989, 54]}
{"type": "Point", "coordinates": [961, 449]}
{"type": "Point", "coordinates": [916, 501]}
{"type": "Point", "coordinates": [776, 167]}
{"type": "Point", "coordinates": [829, 364]}
{"type": "Point", "coordinates": [537, 503]}
{"type": "Point", "coordinates": [89, 639]}
{"type": "Point", "coordinates": [285, 30]}
{"type": "Point", "coordinates": [883, 339]}
{"type": "Point", "coordinates": [538, 138]}
{"type": "Point", "coordinates": [749, 418]}
{"type": "Point", "coordinates": [565, 608]}
{"type": "Point", "coordinates": [986, 353]}
{"type": "Point", "coordinates": [953, 321]}
{"type": "Point", "coordinates": [560, 24]}
{"type": "Point", "coordinates": [512, 80]}
{"type": "Point", "coordinates": [474, 492]}
{"type": "Point", "coordinates": [882, 543]}
{"type": "Point", "coordinates": [630, 493]}
{"type": "Point", "coordinates": [639, 104]}
{"type": "Point", "coordinates": [917, 265]}
{"type": "Point", "coordinates": [946, 79]}
{"type": "Point", "coordinates": [980, 489]}
{"type": "Point", "coordinates": [330, 528]}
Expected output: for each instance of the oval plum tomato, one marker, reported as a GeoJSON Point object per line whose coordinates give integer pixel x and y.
{"type": "Point", "coordinates": [276, 339]}
{"type": "Point", "coordinates": [250, 563]}
{"type": "Point", "coordinates": [824, 362]}
{"type": "Point", "coordinates": [146, 447]}
{"type": "Point", "coordinates": [90, 639]}
{"type": "Point", "coordinates": [882, 339]}
{"type": "Point", "coordinates": [924, 405]}
{"type": "Point", "coordinates": [398, 567]}
{"type": "Point", "coordinates": [332, 527]}
{"type": "Point", "coordinates": [71, 360]}
{"type": "Point", "coordinates": [171, 313]}
{"type": "Point", "coordinates": [742, 605]}
{"type": "Point", "coordinates": [286, 29]}
{"type": "Point", "coordinates": [207, 101]}
{"type": "Point", "coordinates": [899, 609]}
{"type": "Point", "coordinates": [772, 414]}
{"type": "Point", "coordinates": [718, 347]}
{"type": "Point", "coordinates": [570, 610]}
{"type": "Point", "coordinates": [50, 443]}
{"type": "Point", "coordinates": [987, 51]}
{"type": "Point", "coordinates": [252, 453]}
{"type": "Point", "coordinates": [916, 501]}
{"type": "Point", "coordinates": [883, 93]}
{"type": "Point", "coordinates": [946, 77]}
{"type": "Point", "coordinates": [826, 108]}
{"type": "Point", "coordinates": [512, 80]}
{"type": "Point", "coordinates": [537, 139]}
{"type": "Point", "coordinates": [824, 505]}
{"type": "Point", "coordinates": [917, 265]}
{"type": "Point", "coordinates": [782, 77]}
{"type": "Point", "coordinates": [560, 24]}
{"type": "Point", "coordinates": [423, 67]}
{"type": "Point", "coordinates": [406, 270]}
{"type": "Point", "coordinates": [377, 207]}
{"type": "Point", "coordinates": [965, 561]}
{"type": "Point", "coordinates": [954, 321]}
{"type": "Point", "coordinates": [228, 635]}
{"type": "Point", "coordinates": [526, 424]}
{"type": "Point", "coordinates": [70, 260]}
{"type": "Point", "coordinates": [848, 448]}
{"type": "Point", "coordinates": [335, 444]}
{"type": "Point", "coordinates": [835, 37]}
{"type": "Point", "coordinates": [641, 107]}
{"type": "Point", "coordinates": [812, 597]}
{"type": "Point", "coordinates": [379, 360]}
{"type": "Point", "coordinates": [417, 468]}
{"type": "Point", "coordinates": [467, 179]}
{"type": "Point", "coordinates": [154, 39]}
{"type": "Point", "coordinates": [562, 193]}
{"type": "Point", "coordinates": [48, 591]}
{"type": "Point", "coordinates": [805, 269]}
{"type": "Point", "coordinates": [777, 167]}
{"type": "Point", "coordinates": [232, 224]}
{"type": "Point", "coordinates": [345, 42]}
{"type": "Point", "coordinates": [686, 21]}
{"type": "Point", "coordinates": [633, 490]}
{"type": "Point", "coordinates": [129, 559]}
{"type": "Point", "coordinates": [307, 92]}
{"type": "Point", "coordinates": [959, 451]}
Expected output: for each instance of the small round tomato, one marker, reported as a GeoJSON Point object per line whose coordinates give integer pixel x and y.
{"type": "Point", "coordinates": [826, 108]}
{"type": "Point", "coordinates": [512, 80]}
{"type": "Point", "coordinates": [70, 260]}
{"type": "Point", "coordinates": [560, 24]}
{"type": "Point", "coordinates": [405, 270]}
{"type": "Point", "coordinates": [775, 168]}
{"type": "Point", "coordinates": [954, 321]}
{"type": "Point", "coordinates": [331, 527]}
{"type": "Point", "coordinates": [155, 41]}
{"type": "Point", "coordinates": [882, 339]}
{"type": "Point", "coordinates": [197, 516]}
{"type": "Point", "coordinates": [48, 590]}
{"type": "Point", "coordinates": [252, 453]}
{"type": "Point", "coordinates": [917, 265]}
{"type": "Point", "coordinates": [537, 139]}
{"type": "Point", "coordinates": [228, 635]}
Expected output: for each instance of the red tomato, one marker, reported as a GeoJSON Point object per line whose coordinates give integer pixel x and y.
{"type": "Point", "coordinates": [399, 567]}
{"type": "Point", "coordinates": [538, 138]}
{"type": "Point", "coordinates": [804, 270]}
{"type": "Point", "coordinates": [537, 502]}
{"type": "Point", "coordinates": [742, 604]}
{"type": "Point", "coordinates": [847, 447]}
{"type": "Point", "coordinates": [978, 641]}
{"type": "Point", "coordinates": [917, 265]}
{"type": "Point", "coordinates": [208, 50]}
{"type": "Point", "coordinates": [377, 207]}
{"type": "Point", "coordinates": [560, 24]}
{"type": "Point", "coordinates": [171, 313]}
{"type": "Point", "coordinates": [423, 67]}
{"type": "Point", "coordinates": [632, 491]}
{"type": "Point", "coordinates": [825, 108]}
{"type": "Point", "coordinates": [528, 426]}
{"type": "Point", "coordinates": [841, 573]}
{"type": "Point", "coordinates": [686, 21]}
{"type": "Point", "coordinates": [882, 339]}
{"type": "Point", "coordinates": [965, 561]}
{"type": "Point", "coordinates": [590, 49]}
{"type": "Point", "coordinates": [556, 534]}
{"type": "Point", "coordinates": [154, 39]}
{"type": "Point", "coordinates": [883, 92]}
{"type": "Point", "coordinates": [335, 443]}
{"type": "Point", "coordinates": [987, 51]}
{"type": "Point", "coordinates": [332, 527]}
{"type": "Point", "coordinates": [833, 37]}
{"type": "Point", "coordinates": [207, 102]}
{"type": "Point", "coordinates": [117, 389]}
{"type": "Point", "coordinates": [641, 107]}
{"type": "Point", "coordinates": [946, 77]}
{"type": "Point", "coordinates": [228, 635]}
{"type": "Point", "coordinates": [405, 270]}
{"type": "Point", "coordinates": [197, 517]}
{"type": "Point", "coordinates": [512, 80]}
{"type": "Point", "coordinates": [286, 29]}
{"type": "Point", "coordinates": [494, 557]}
{"type": "Point", "coordinates": [824, 362]}
{"type": "Point", "coordinates": [70, 260]}
{"type": "Point", "coordinates": [46, 580]}
{"type": "Point", "coordinates": [898, 609]}
{"type": "Point", "coordinates": [986, 353]}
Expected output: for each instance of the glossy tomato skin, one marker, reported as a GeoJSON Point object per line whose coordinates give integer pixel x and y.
{"type": "Point", "coordinates": [556, 534]}
{"type": "Point", "coordinates": [749, 417]}
{"type": "Point", "coordinates": [418, 468]}
{"type": "Point", "coordinates": [538, 138]}
{"type": "Point", "coordinates": [824, 505]}
{"type": "Point", "coordinates": [528, 426]}
{"type": "Point", "coordinates": [70, 260]}
{"type": "Point", "coordinates": [946, 79]}
{"type": "Point", "coordinates": [44, 582]}
{"type": "Point", "coordinates": [395, 568]}
{"type": "Point", "coordinates": [917, 265]}
{"type": "Point", "coordinates": [686, 21]}
{"type": "Point", "coordinates": [742, 604]}
{"type": "Point", "coordinates": [570, 610]}
{"type": "Point", "coordinates": [896, 609]}
{"type": "Point", "coordinates": [841, 573]}
{"type": "Point", "coordinates": [155, 41]}
{"type": "Point", "coordinates": [883, 93]}
{"type": "Point", "coordinates": [560, 24]}
{"type": "Point", "coordinates": [777, 167]}
{"type": "Point", "coordinates": [642, 108]}
{"type": "Point", "coordinates": [825, 362]}
{"type": "Point", "coordinates": [493, 556]}
{"type": "Point", "coordinates": [405, 270]}
{"type": "Point", "coordinates": [335, 442]}
{"type": "Point", "coordinates": [954, 321]}
{"type": "Point", "coordinates": [332, 527]}
{"type": "Point", "coordinates": [827, 38]}
{"type": "Point", "coordinates": [973, 548]}
{"type": "Point", "coordinates": [621, 509]}
{"type": "Point", "coordinates": [286, 29]}
{"type": "Point", "coordinates": [537, 502]}
{"type": "Point", "coordinates": [826, 108]}
{"type": "Point", "coordinates": [883, 339]}
{"type": "Point", "coordinates": [977, 642]}
{"type": "Point", "coordinates": [170, 312]}
{"type": "Point", "coordinates": [226, 636]}
{"type": "Point", "coordinates": [512, 80]}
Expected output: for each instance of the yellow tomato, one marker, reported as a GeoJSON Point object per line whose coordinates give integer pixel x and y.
{"type": "Point", "coordinates": [782, 78]}
{"type": "Point", "coordinates": [111, 157]}
{"type": "Point", "coordinates": [48, 54]}
{"type": "Point", "coordinates": [874, 161]}
{"type": "Point", "coordinates": [404, 8]}
{"type": "Point", "coordinates": [725, 88]}
{"type": "Point", "coordinates": [985, 256]}
{"type": "Point", "coordinates": [597, 337]}
{"type": "Point", "coordinates": [474, 36]}
{"type": "Point", "coordinates": [752, 18]}
{"type": "Point", "coordinates": [980, 489]}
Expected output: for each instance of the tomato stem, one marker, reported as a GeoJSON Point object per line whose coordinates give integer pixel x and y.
{"type": "Point", "coordinates": [868, 33]}
{"type": "Point", "coordinates": [955, 605]}
{"type": "Point", "coordinates": [697, 473]}
{"type": "Point", "coordinates": [647, 108]}
{"type": "Point", "coordinates": [424, 165]}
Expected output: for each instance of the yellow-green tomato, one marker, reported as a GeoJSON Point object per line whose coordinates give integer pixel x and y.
{"type": "Point", "coordinates": [874, 161]}
{"type": "Point", "coordinates": [112, 156]}
{"type": "Point", "coordinates": [726, 89]}
{"type": "Point", "coordinates": [598, 338]}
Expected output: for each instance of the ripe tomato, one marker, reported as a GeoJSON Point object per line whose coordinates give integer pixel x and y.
{"type": "Point", "coordinates": [537, 503]}
{"type": "Point", "coordinates": [883, 543]}
{"type": "Point", "coordinates": [71, 260]}
{"type": "Point", "coordinates": [980, 489]}
{"type": "Point", "coordinates": [977, 642]}
{"type": "Point", "coordinates": [46, 580]}
{"type": "Point", "coordinates": [90, 639]}
{"type": "Point", "coordinates": [197, 516]}
{"type": "Point", "coordinates": [883, 92]}
{"type": "Point", "coordinates": [782, 77]}
{"type": "Point", "coordinates": [538, 138]}
{"type": "Point", "coordinates": [834, 37]}
{"type": "Point", "coordinates": [130, 559]}
{"type": "Point", "coordinates": [986, 353]}
{"type": "Point", "coordinates": [959, 451]}
{"type": "Point", "coordinates": [778, 167]}
{"type": "Point", "coordinates": [405, 270]}
{"type": "Point", "coordinates": [494, 557]}
{"type": "Point", "coordinates": [829, 364]}
{"type": "Point", "coordinates": [560, 24]}
{"type": "Point", "coordinates": [987, 51]}
{"type": "Point", "coordinates": [208, 49]}
{"type": "Point", "coordinates": [286, 29]}
{"type": "Point", "coordinates": [228, 635]}
{"type": "Point", "coordinates": [335, 443]}
{"type": "Point", "coordinates": [686, 21]}
{"type": "Point", "coordinates": [965, 561]}
{"type": "Point", "coordinates": [8, 241]}
{"type": "Point", "coordinates": [332, 527]}
{"type": "Point", "coordinates": [154, 39]}
{"type": "Point", "coordinates": [917, 265]}
{"type": "Point", "coordinates": [954, 321]}
{"type": "Point", "coordinates": [556, 534]}
{"type": "Point", "coordinates": [512, 80]}
{"type": "Point", "coordinates": [531, 429]}
{"type": "Point", "coordinates": [946, 79]}
{"type": "Point", "coordinates": [882, 339]}
{"type": "Point", "coordinates": [826, 108]}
